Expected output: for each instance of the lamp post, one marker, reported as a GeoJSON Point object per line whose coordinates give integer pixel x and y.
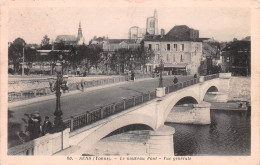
{"type": "Point", "coordinates": [61, 83]}
{"type": "Point", "coordinates": [161, 77]}
{"type": "Point", "coordinates": [132, 68]}
{"type": "Point", "coordinates": [23, 62]}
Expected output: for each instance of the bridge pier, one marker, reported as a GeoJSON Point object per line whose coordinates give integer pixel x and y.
{"type": "Point", "coordinates": [161, 141]}
{"type": "Point", "coordinates": [160, 92]}
{"type": "Point", "coordinates": [191, 114]}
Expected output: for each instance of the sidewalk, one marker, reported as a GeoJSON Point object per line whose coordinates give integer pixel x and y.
{"type": "Point", "coordinates": [49, 97]}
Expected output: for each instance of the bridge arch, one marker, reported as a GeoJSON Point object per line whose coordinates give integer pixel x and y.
{"type": "Point", "coordinates": [209, 88]}
{"type": "Point", "coordinates": [112, 125]}
{"type": "Point", "coordinates": [193, 96]}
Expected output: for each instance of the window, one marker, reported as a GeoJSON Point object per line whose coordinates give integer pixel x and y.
{"type": "Point", "coordinates": [182, 47]}
{"type": "Point", "coordinates": [175, 47]}
{"type": "Point", "coordinates": [158, 56]}
{"type": "Point", "coordinates": [150, 46]}
{"type": "Point", "coordinates": [157, 47]}
{"type": "Point", "coordinates": [152, 24]}
{"type": "Point", "coordinates": [168, 47]}
{"type": "Point", "coordinates": [228, 58]}
{"type": "Point", "coordinates": [181, 58]}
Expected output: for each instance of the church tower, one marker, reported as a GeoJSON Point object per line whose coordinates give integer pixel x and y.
{"type": "Point", "coordinates": [155, 22]}
{"type": "Point", "coordinates": [152, 24]}
{"type": "Point", "coordinates": [80, 38]}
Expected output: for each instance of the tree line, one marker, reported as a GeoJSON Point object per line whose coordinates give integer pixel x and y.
{"type": "Point", "coordinates": [86, 56]}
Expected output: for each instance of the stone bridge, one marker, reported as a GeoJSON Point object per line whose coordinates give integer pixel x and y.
{"type": "Point", "coordinates": [154, 114]}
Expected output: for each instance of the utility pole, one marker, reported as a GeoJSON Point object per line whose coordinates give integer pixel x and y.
{"type": "Point", "coordinates": [23, 62]}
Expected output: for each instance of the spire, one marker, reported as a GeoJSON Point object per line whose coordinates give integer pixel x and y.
{"type": "Point", "coordinates": [80, 38]}
{"type": "Point", "coordinates": [155, 13]}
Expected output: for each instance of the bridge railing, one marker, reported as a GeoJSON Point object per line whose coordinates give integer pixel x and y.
{"type": "Point", "coordinates": [92, 116]}
{"type": "Point", "coordinates": [210, 77]}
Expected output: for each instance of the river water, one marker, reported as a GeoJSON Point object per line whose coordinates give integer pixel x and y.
{"type": "Point", "coordinates": [228, 134]}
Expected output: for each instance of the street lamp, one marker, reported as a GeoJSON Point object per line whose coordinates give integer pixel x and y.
{"type": "Point", "coordinates": [161, 77]}
{"type": "Point", "coordinates": [132, 68]}
{"type": "Point", "coordinates": [61, 83]}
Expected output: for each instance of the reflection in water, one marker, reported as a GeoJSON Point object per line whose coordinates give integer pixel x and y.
{"type": "Point", "coordinates": [228, 134]}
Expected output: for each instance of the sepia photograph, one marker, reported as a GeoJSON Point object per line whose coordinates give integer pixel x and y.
{"type": "Point", "coordinates": [128, 81]}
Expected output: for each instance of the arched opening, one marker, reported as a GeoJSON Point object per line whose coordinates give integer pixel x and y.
{"type": "Point", "coordinates": [129, 129]}
{"type": "Point", "coordinates": [181, 112]}
{"type": "Point", "coordinates": [187, 100]}
{"type": "Point", "coordinates": [210, 94]}
{"type": "Point", "coordinates": [127, 140]}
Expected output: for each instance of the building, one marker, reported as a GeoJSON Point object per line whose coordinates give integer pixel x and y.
{"type": "Point", "coordinates": [112, 45]}
{"type": "Point", "coordinates": [179, 55]}
{"type": "Point", "coordinates": [136, 33]}
{"type": "Point", "coordinates": [183, 32]}
{"type": "Point", "coordinates": [152, 24]}
{"type": "Point", "coordinates": [236, 58]}
{"type": "Point", "coordinates": [71, 39]}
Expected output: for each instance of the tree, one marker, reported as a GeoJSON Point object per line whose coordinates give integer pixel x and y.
{"type": "Point", "coordinates": [30, 56]}
{"type": "Point", "coordinates": [144, 55]}
{"type": "Point", "coordinates": [45, 43]}
{"type": "Point", "coordinates": [45, 40]}
{"type": "Point", "coordinates": [15, 53]}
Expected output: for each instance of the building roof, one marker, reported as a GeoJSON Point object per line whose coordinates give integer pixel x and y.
{"type": "Point", "coordinates": [66, 38]}
{"type": "Point", "coordinates": [170, 38]}
{"type": "Point", "coordinates": [117, 41]}
{"type": "Point", "coordinates": [238, 46]}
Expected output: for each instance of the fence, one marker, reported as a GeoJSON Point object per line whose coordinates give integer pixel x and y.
{"type": "Point", "coordinates": [92, 116]}
{"type": "Point", "coordinates": [28, 94]}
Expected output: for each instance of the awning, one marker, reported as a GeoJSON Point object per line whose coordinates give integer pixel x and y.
{"type": "Point", "coordinates": [177, 65]}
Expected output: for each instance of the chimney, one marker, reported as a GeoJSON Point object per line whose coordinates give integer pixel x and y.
{"type": "Point", "coordinates": [162, 33]}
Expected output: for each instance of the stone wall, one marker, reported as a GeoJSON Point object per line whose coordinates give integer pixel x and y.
{"type": "Point", "coordinates": [239, 89]}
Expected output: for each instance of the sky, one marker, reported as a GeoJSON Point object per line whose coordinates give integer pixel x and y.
{"type": "Point", "coordinates": [32, 24]}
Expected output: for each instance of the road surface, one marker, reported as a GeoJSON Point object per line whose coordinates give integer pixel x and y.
{"type": "Point", "coordinates": [76, 104]}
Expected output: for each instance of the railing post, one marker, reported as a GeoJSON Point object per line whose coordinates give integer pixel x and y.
{"type": "Point", "coordinates": [142, 98]}
{"type": "Point", "coordinates": [149, 95]}
{"type": "Point", "coordinates": [87, 114]}
{"type": "Point", "coordinates": [113, 108]}
{"type": "Point", "coordinates": [71, 123]}
{"type": "Point", "coordinates": [124, 103]}
{"type": "Point", "coordinates": [134, 100]}
{"type": "Point", "coordinates": [101, 112]}
{"type": "Point", "coordinates": [46, 91]}
{"type": "Point", "coordinates": [35, 92]}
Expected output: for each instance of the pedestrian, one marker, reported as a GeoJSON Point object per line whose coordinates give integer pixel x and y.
{"type": "Point", "coordinates": [78, 71]}
{"type": "Point", "coordinates": [195, 75]}
{"type": "Point", "coordinates": [175, 80]}
{"type": "Point", "coordinates": [47, 126]}
{"type": "Point", "coordinates": [34, 126]}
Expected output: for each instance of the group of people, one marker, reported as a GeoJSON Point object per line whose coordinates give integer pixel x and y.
{"type": "Point", "coordinates": [35, 129]}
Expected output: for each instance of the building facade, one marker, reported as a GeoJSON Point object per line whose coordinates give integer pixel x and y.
{"type": "Point", "coordinates": [179, 57]}
{"type": "Point", "coordinates": [236, 58]}
{"type": "Point", "coordinates": [136, 33]}
{"type": "Point", "coordinates": [112, 45]}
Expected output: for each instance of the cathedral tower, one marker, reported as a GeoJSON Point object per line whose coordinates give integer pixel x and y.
{"type": "Point", "coordinates": [152, 24]}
